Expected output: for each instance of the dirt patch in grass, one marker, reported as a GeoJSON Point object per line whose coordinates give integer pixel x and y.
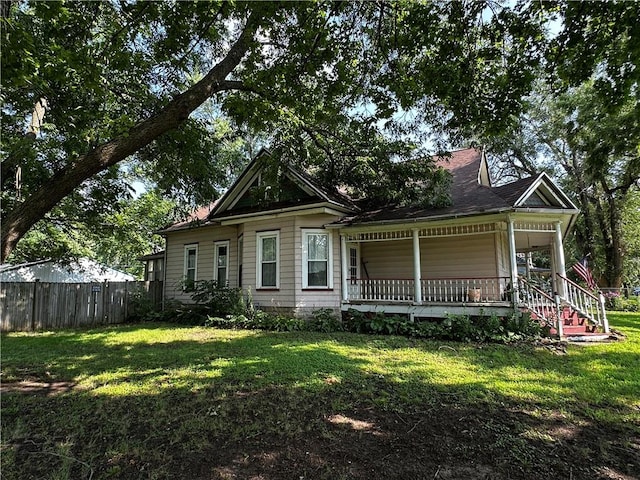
{"type": "Point", "coordinates": [37, 388]}
{"type": "Point", "coordinates": [461, 444]}
{"type": "Point", "coordinates": [276, 433]}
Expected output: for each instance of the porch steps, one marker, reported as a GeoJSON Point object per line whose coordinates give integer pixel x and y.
{"type": "Point", "coordinates": [574, 326]}
{"type": "Point", "coordinates": [577, 328]}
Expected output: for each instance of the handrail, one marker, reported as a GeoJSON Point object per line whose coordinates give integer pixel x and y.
{"type": "Point", "coordinates": [574, 284]}
{"type": "Point", "coordinates": [586, 303]}
{"type": "Point", "coordinates": [541, 303]}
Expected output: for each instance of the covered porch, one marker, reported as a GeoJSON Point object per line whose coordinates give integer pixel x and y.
{"type": "Point", "coordinates": [456, 267]}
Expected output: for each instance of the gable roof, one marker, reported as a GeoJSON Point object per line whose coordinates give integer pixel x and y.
{"type": "Point", "coordinates": [82, 270]}
{"type": "Point", "coordinates": [309, 192]}
{"type": "Point", "coordinates": [472, 194]}
{"type": "Point", "coordinates": [540, 191]}
{"type": "Point", "coordinates": [234, 203]}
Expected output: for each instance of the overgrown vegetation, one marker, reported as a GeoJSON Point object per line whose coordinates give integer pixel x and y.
{"type": "Point", "coordinates": [615, 301]}
{"type": "Point", "coordinates": [166, 401]}
{"type": "Point", "coordinates": [216, 305]}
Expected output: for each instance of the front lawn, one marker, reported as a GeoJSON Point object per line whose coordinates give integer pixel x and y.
{"type": "Point", "coordinates": [161, 401]}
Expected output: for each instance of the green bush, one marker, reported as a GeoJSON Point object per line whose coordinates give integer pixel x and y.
{"type": "Point", "coordinates": [324, 320]}
{"type": "Point", "coordinates": [219, 300]}
{"type": "Point", "coordinates": [461, 328]}
{"type": "Point", "coordinates": [258, 321]}
{"type": "Point", "coordinates": [622, 304]}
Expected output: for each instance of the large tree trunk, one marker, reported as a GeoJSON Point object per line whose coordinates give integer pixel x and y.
{"type": "Point", "coordinates": [36, 206]}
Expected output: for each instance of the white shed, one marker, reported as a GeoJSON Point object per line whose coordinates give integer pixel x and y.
{"type": "Point", "coordinates": [82, 271]}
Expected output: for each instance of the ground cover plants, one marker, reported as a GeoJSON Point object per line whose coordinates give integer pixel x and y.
{"type": "Point", "coordinates": [216, 305]}
{"type": "Point", "coordinates": [160, 400]}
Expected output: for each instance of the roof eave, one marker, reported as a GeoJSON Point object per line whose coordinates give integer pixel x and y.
{"type": "Point", "coordinates": [399, 221]}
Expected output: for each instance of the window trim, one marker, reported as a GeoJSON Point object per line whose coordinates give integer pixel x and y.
{"type": "Point", "coordinates": [240, 258]}
{"type": "Point", "coordinates": [187, 249]}
{"type": "Point", "coordinates": [305, 259]}
{"type": "Point", "coordinates": [259, 237]}
{"type": "Point", "coordinates": [216, 245]}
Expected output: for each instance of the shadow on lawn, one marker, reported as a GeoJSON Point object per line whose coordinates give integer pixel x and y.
{"type": "Point", "coordinates": [281, 406]}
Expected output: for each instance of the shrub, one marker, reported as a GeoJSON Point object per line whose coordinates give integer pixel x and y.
{"type": "Point", "coordinates": [218, 299]}
{"type": "Point", "coordinates": [324, 320]}
{"type": "Point", "coordinates": [461, 328]}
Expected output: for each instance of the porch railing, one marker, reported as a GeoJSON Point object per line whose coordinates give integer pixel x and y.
{"type": "Point", "coordinates": [541, 303]}
{"type": "Point", "coordinates": [585, 303]}
{"type": "Point", "coordinates": [437, 290]}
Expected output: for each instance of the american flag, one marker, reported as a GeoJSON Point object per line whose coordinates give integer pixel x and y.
{"type": "Point", "coordinates": [583, 270]}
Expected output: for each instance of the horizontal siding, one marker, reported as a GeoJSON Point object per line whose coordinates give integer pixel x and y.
{"type": "Point", "coordinates": [204, 238]}
{"type": "Point", "coordinates": [392, 259]}
{"type": "Point", "coordinates": [502, 254]}
{"type": "Point", "coordinates": [284, 296]}
{"type": "Point", "coordinates": [309, 300]}
{"type": "Point", "coordinates": [468, 256]}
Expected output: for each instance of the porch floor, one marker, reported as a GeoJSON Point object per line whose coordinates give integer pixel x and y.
{"type": "Point", "coordinates": [431, 309]}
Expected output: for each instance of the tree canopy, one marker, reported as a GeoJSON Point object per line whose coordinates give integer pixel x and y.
{"type": "Point", "coordinates": [326, 81]}
{"type": "Point", "coordinates": [345, 88]}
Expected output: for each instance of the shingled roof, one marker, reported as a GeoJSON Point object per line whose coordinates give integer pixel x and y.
{"type": "Point", "coordinates": [471, 193]}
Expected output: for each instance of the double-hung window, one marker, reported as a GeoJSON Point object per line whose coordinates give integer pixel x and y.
{"type": "Point", "coordinates": [267, 259]}
{"type": "Point", "coordinates": [190, 263]}
{"type": "Point", "coordinates": [316, 259]}
{"type": "Point", "coordinates": [221, 262]}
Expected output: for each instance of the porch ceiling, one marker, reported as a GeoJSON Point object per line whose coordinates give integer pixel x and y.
{"type": "Point", "coordinates": [529, 241]}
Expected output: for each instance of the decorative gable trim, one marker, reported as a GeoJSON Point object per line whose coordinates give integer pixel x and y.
{"type": "Point", "coordinates": [252, 174]}
{"type": "Point", "coordinates": [484, 178]}
{"type": "Point", "coordinates": [545, 189]}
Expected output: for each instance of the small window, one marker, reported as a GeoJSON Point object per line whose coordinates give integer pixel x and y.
{"type": "Point", "coordinates": [268, 270]}
{"type": "Point", "coordinates": [191, 263]}
{"type": "Point", "coordinates": [316, 259]}
{"type": "Point", "coordinates": [221, 265]}
{"type": "Point", "coordinates": [150, 270]}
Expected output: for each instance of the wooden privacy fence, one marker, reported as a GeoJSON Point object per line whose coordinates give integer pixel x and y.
{"type": "Point", "coordinates": [27, 306]}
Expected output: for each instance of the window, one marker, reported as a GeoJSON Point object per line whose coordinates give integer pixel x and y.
{"type": "Point", "coordinates": [316, 259]}
{"type": "Point", "coordinates": [191, 263]}
{"type": "Point", "coordinates": [154, 269]}
{"type": "Point", "coordinates": [221, 263]}
{"type": "Point", "coordinates": [268, 271]}
{"type": "Point", "coordinates": [151, 274]}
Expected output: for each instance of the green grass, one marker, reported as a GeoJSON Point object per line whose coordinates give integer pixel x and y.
{"type": "Point", "coordinates": [145, 398]}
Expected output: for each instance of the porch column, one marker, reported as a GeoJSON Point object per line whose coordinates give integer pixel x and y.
{"type": "Point", "coordinates": [344, 268]}
{"type": "Point", "coordinates": [559, 258]}
{"type": "Point", "coordinates": [417, 294]}
{"type": "Point", "coordinates": [514, 261]}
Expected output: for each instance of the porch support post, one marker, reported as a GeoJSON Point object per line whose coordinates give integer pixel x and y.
{"type": "Point", "coordinates": [559, 257]}
{"type": "Point", "coordinates": [417, 286]}
{"type": "Point", "coordinates": [343, 267]}
{"type": "Point", "coordinates": [514, 261]}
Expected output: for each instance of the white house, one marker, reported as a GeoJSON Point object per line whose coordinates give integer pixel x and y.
{"type": "Point", "coordinates": [313, 247]}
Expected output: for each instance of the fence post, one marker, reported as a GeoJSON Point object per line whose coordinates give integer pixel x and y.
{"type": "Point", "coordinates": [126, 300]}
{"type": "Point", "coordinates": [105, 303]}
{"type": "Point", "coordinates": [34, 308]}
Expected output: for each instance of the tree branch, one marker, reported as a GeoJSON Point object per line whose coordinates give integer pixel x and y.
{"type": "Point", "coordinates": [174, 114]}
